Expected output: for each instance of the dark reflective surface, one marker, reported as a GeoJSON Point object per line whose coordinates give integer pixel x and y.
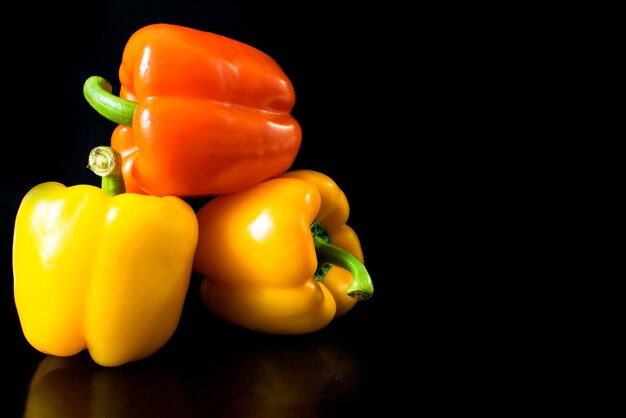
{"type": "Point", "coordinates": [343, 73]}
{"type": "Point", "coordinates": [280, 381]}
{"type": "Point", "coordinates": [212, 369]}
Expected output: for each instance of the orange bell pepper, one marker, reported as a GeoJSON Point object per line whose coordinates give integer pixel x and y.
{"type": "Point", "coordinates": [279, 257]}
{"type": "Point", "coordinates": [199, 114]}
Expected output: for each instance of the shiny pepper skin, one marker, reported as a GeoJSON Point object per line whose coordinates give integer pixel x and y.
{"type": "Point", "coordinates": [256, 251]}
{"type": "Point", "coordinates": [212, 116]}
{"type": "Point", "coordinates": [108, 274]}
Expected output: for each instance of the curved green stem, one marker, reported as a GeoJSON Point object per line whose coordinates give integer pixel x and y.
{"type": "Point", "coordinates": [107, 163]}
{"type": "Point", "coordinates": [361, 287]}
{"type": "Point", "coordinates": [97, 91]}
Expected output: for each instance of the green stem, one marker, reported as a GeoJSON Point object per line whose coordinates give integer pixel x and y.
{"type": "Point", "coordinates": [361, 287]}
{"type": "Point", "coordinates": [97, 91]}
{"type": "Point", "coordinates": [107, 163]}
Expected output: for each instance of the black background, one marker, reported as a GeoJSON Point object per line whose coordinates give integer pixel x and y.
{"type": "Point", "coordinates": [445, 126]}
{"type": "Point", "coordinates": [358, 73]}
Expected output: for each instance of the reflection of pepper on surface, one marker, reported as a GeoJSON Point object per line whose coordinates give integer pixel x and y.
{"type": "Point", "coordinates": [98, 270]}
{"type": "Point", "coordinates": [279, 257]}
{"type": "Point", "coordinates": [199, 114]}
{"type": "Point", "coordinates": [75, 387]}
{"type": "Point", "coordinates": [291, 380]}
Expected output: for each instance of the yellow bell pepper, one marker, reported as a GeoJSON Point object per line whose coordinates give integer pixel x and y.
{"type": "Point", "coordinates": [99, 272]}
{"type": "Point", "coordinates": [279, 257]}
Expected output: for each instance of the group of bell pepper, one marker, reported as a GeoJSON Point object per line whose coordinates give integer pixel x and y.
{"type": "Point", "coordinates": [200, 115]}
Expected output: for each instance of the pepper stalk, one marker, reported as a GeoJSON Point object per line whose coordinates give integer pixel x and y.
{"type": "Point", "coordinates": [106, 162]}
{"type": "Point", "coordinates": [328, 254]}
{"type": "Point", "coordinates": [97, 92]}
